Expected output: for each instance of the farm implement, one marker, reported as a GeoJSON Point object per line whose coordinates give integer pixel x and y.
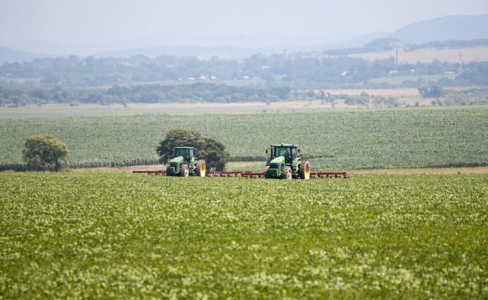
{"type": "Point", "coordinates": [284, 162]}
{"type": "Point", "coordinates": [250, 174]}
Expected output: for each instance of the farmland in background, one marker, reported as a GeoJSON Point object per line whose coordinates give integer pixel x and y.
{"type": "Point", "coordinates": [398, 80]}
{"type": "Point", "coordinates": [313, 100]}
{"type": "Point", "coordinates": [427, 55]}
{"type": "Point", "coordinates": [132, 236]}
{"type": "Point", "coordinates": [95, 110]}
{"type": "Point", "coordinates": [416, 137]}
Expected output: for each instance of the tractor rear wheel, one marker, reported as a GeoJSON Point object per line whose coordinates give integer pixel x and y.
{"type": "Point", "coordinates": [184, 171]}
{"type": "Point", "coordinates": [304, 169]}
{"type": "Point", "coordinates": [287, 174]}
{"type": "Point", "coordinates": [200, 168]}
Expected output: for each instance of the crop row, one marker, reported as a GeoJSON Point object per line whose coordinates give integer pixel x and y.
{"type": "Point", "coordinates": [347, 139]}
{"type": "Point", "coordinates": [129, 236]}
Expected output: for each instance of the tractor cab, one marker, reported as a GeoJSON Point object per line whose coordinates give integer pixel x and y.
{"type": "Point", "coordinates": [186, 152]}
{"type": "Point", "coordinates": [289, 152]}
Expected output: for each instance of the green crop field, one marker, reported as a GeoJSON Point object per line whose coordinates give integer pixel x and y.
{"type": "Point", "coordinates": [417, 137]}
{"type": "Point", "coordinates": [134, 236]}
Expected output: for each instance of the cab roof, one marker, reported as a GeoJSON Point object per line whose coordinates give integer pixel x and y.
{"type": "Point", "coordinates": [184, 147]}
{"type": "Point", "coordinates": [284, 145]}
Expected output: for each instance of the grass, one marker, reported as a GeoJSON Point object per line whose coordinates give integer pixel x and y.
{"type": "Point", "coordinates": [133, 236]}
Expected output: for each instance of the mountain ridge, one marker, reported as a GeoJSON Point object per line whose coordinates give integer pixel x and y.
{"type": "Point", "coordinates": [9, 55]}
{"type": "Point", "coordinates": [458, 27]}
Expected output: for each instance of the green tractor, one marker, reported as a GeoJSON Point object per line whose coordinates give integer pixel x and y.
{"type": "Point", "coordinates": [285, 163]}
{"type": "Point", "coordinates": [185, 163]}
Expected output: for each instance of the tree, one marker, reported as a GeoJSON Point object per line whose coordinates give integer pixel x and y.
{"type": "Point", "coordinates": [45, 153]}
{"type": "Point", "coordinates": [178, 138]}
{"type": "Point", "coordinates": [431, 92]}
{"type": "Point", "coordinates": [214, 153]}
{"type": "Point", "coordinates": [311, 94]}
{"type": "Point", "coordinates": [208, 148]}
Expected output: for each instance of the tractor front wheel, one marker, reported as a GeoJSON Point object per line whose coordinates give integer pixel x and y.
{"type": "Point", "coordinates": [184, 171]}
{"type": "Point", "coordinates": [304, 169]}
{"type": "Point", "coordinates": [200, 168]}
{"type": "Point", "coordinates": [286, 173]}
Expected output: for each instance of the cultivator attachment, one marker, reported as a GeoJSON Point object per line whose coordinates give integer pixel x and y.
{"type": "Point", "coordinates": [159, 172]}
{"type": "Point", "coordinates": [329, 175]}
{"type": "Point", "coordinates": [247, 174]}
{"type": "Point", "coordinates": [250, 174]}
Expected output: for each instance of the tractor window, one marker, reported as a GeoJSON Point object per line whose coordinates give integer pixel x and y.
{"type": "Point", "coordinates": [284, 151]}
{"type": "Point", "coordinates": [276, 152]}
{"type": "Point", "coordinates": [287, 154]}
{"type": "Point", "coordinates": [181, 152]}
{"type": "Point", "coordinates": [191, 152]}
{"type": "Point", "coordinates": [293, 152]}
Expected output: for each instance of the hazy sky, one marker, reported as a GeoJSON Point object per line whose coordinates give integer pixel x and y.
{"type": "Point", "coordinates": [111, 20]}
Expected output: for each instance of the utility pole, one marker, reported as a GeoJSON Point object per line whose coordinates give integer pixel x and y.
{"type": "Point", "coordinates": [396, 56]}
{"type": "Point", "coordinates": [460, 62]}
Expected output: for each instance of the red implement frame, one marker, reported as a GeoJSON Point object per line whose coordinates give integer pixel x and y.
{"type": "Point", "coordinates": [249, 174]}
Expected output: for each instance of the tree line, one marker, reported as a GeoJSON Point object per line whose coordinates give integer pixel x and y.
{"type": "Point", "coordinates": [389, 44]}
{"type": "Point", "coordinates": [295, 71]}
{"type": "Point", "coordinates": [197, 92]}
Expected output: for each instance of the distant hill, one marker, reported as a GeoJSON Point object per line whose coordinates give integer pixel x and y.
{"type": "Point", "coordinates": [8, 55]}
{"type": "Point", "coordinates": [459, 28]}
{"type": "Point", "coordinates": [356, 42]}
{"type": "Point", "coordinates": [444, 29]}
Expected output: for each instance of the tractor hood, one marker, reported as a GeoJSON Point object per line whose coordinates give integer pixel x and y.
{"type": "Point", "coordinates": [278, 160]}
{"type": "Point", "coordinates": [178, 159]}
{"type": "Point", "coordinates": [274, 170]}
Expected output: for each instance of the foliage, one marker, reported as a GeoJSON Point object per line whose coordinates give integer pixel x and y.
{"type": "Point", "coordinates": [459, 44]}
{"type": "Point", "coordinates": [431, 92]}
{"type": "Point", "coordinates": [133, 236]}
{"type": "Point", "coordinates": [474, 75]}
{"type": "Point", "coordinates": [416, 137]}
{"type": "Point", "coordinates": [386, 44]}
{"type": "Point", "coordinates": [214, 153]}
{"type": "Point", "coordinates": [197, 92]}
{"type": "Point", "coordinates": [466, 97]}
{"type": "Point", "coordinates": [64, 79]}
{"type": "Point", "coordinates": [45, 153]}
{"type": "Point", "coordinates": [178, 138]}
{"type": "Point", "coordinates": [383, 44]}
{"type": "Point", "coordinates": [210, 149]}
